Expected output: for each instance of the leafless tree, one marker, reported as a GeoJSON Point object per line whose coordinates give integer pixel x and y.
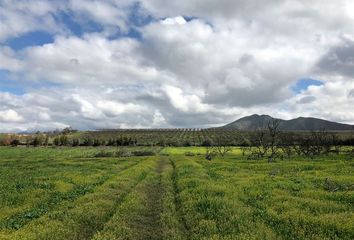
{"type": "Point", "coordinates": [259, 143]}
{"type": "Point", "coordinates": [273, 138]}
{"type": "Point", "coordinates": [246, 146]}
{"type": "Point", "coordinates": [210, 152]}
{"type": "Point", "coordinates": [287, 143]}
{"type": "Point", "coordinates": [336, 143]}
{"type": "Point", "coordinates": [222, 145]}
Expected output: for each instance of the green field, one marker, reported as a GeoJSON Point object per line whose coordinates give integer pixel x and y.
{"type": "Point", "coordinates": [71, 193]}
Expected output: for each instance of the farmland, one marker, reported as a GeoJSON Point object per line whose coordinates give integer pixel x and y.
{"type": "Point", "coordinates": [80, 193]}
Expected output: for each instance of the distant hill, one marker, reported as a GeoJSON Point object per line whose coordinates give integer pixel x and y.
{"type": "Point", "coordinates": [256, 121]}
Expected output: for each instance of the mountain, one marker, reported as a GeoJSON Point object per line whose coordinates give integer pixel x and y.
{"type": "Point", "coordinates": [256, 121]}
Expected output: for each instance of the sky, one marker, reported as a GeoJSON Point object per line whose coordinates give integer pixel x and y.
{"type": "Point", "coordinates": [93, 64]}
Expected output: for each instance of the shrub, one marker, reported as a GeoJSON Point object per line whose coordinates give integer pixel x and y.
{"type": "Point", "coordinates": [123, 152]}
{"type": "Point", "coordinates": [75, 142]}
{"type": "Point", "coordinates": [143, 153]}
{"type": "Point", "coordinates": [189, 154]}
{"type": "Point", "coordinates": [15, 142]}
{"type": "Point", "coordinates": [103, 153]}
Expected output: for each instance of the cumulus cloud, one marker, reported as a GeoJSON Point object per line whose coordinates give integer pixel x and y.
{"type": "Point", "coordinates": [307, 99]}
{"type": "Point", "coordinates": [25, 16]}
{"type": "Point", "coordinates": [10, 116]}
{"type": "Point", "coordinates": [192, 64]}
{"type": "Point", "coordinates": [339, 60]}
{"type": "Point", "coordinates": [92, 59]}
{"type": "Point", "coordinates": [230, 68]}
{"type": "Point", "coordinates": [185, 102]}
{"type": "Point", "coordinates": [111, 108]}
{"type": "Point", "coordinates": [43, 15]}
{"type": "Point", "coordinates": [8, 60]}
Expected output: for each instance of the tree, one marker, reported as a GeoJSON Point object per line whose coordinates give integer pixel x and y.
{"type": "Point", "coordinates": [46, 140]}
{"type": "Point", "coordinates": [68, 130]}
{"type": "Point", "coordinates": [260, 143]}
{"type": "Point", "coordinates": [6, 141]}
{"type": "Point", "coordinates": [336, 143]}
{"type": "Point", "coordinates": [287, 144]}
{"type": "Point", "coordinates": [222, 145]}
{"type": "Point", "coordinates": [210, 152]}
{"type": "Point", "coordinates": [75, 142]}
{"type": "Point", "coordinates": [273, 132]}
{"type": "Point", "coordinates": [56, 141]}
{"type": "Point", "coordinates": [64, 140]}
{"type": "Point", "coordinates": [207, 142]}
{"type": "Point", "coordinates": [15, 142]}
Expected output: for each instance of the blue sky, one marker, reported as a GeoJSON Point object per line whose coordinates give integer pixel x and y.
{"type": "Point", "coordinates": [9, 85]}
{"type": "Point", "coordinates": [303, 84]}
{"type": "Point", "coordinates": [151, 63]}
{"type": "Point", "coordinates": [36, 38]}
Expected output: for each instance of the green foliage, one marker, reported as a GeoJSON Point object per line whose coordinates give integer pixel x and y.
{"type": "Point", "coordinates": [91, 193]}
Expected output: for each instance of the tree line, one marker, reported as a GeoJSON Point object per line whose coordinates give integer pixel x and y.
{"type": "Point", "coordinates": [271, 143]}
{"type": "Point", "coordinates": [266, 142]}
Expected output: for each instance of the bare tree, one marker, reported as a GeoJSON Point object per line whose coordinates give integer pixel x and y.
{"type": "Point", "coordinates": [246, 146]}
{"type": "Point", "coordinates": [273, 142]}
{"type": "Point", "coordinates": [287, 144]}
{"type": "Point", "coordinates": [222, 145]}
{"type": "Point", "coordinates": [210, 152]}
{"type": "Point", "coordinates": [336, 143]}
{"type": "Point", "coordinates": [260, 143]}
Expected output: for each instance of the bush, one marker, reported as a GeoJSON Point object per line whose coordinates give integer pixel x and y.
{"type": "Point", "coordinates": [103, 153]}
{"type": "Point", "coordinates": [143, 153]}
{"type": "Point", "coordinates": [207, 143]}
{"type": "Point", "coordinates": [75, 142]}
{"type": "Point", "coordinates": [15, 142]}
{"type": "Point", "coordinates": [189, 154]}
{"type": "Point", "coordinates": [123, 152]}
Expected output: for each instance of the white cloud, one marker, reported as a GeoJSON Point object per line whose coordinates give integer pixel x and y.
{"type": "Point", "coordinates": [112, 108]}
{"type": "Point", "coordinates": [176, 20]}
{"type": "Point", "coordinates": [8, 60]}
{"type": "Point", "coordinates": [110, 14]}
{"type": "Point", "coordinates": [44, 116]}
{"type": "Point", "coordinates": [228, 59]}
{"type": "Point", "coordinates": [185, 102]}
{"type": "Point", "coordinates": [158, 119]}
{"type": "Point", "coordinates": [25, 16]}
{"type": "Point", "coordinates": [10, 116]}
{"type": "Point", "coordinates": [87, 109]}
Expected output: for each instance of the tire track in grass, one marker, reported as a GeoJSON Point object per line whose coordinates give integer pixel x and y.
{"type": "Point", "coordinates": [153, 191]}
{"type": "Point", "coordinates": [138, 217]}
{"type": "Point", "coordinates": [177, 201]}
{"type": "Point", "coordinates": [89, 234]}
{"type": "Point", "coordinates": [87, 215]}
{"type": "Point", "coordinates": [146, 212]}
{"type": "Point", "coordinates": [149, 224]}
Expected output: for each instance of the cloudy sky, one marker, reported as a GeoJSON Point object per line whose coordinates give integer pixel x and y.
{"type": "Point", "coordinates": [189, 63]}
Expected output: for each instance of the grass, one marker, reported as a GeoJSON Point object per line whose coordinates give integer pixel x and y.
{"type": "Point", "coordinates": [71, 193]}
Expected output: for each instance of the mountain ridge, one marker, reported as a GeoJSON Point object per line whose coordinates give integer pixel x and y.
{"type": "Point", "coordinates": [256, 121]}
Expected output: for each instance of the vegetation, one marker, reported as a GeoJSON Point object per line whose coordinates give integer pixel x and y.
{"type": "Point", "coordinates": [222, 138]}
{"type": "Point", "coordinates": [86, 193]}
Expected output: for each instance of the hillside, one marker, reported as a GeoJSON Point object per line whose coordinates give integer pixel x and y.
{"type": "Point", "coordinates": [256, 121]}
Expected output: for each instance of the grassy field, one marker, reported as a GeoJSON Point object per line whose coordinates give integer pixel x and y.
{"type": "Point", "coordinates": [70, 193]}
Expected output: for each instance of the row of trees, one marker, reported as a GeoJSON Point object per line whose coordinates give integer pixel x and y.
{"type": "Point", "coordinates": [63, 140]}
{"type": "Point", "coordinates": [269, 142]}
{"type": "Point", "coordinates": [272, 143]}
